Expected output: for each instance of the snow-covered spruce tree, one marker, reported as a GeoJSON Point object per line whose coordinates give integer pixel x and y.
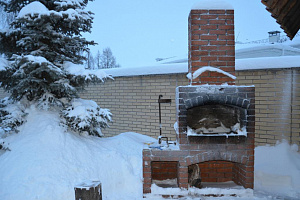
{"type": "Point", "coordinates": [5, 18]}
{"type": "Point", "coordinates": [43, 37]}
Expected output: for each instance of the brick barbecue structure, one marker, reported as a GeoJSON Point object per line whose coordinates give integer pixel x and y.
{"type": "Point", "coordinates": [215, 122]}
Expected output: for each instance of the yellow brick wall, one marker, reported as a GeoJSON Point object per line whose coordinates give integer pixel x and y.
{"type": "Point", "coordinates": [133, 103]}
{"type": "Point", "coordinates": [277, 103]}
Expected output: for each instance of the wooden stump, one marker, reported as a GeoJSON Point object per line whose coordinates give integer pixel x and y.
{"type": "Point", "coordinates": [90, 190]}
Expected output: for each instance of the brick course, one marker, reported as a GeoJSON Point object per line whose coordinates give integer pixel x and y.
{"type": "Point", "coordinates": [219, 158]}
{"type": "Point", "coordinates": [133, 103]}
{"type": "Point", "coordinates": [277, 103]}
{"type": "Point", "coordinates": [209, 31]}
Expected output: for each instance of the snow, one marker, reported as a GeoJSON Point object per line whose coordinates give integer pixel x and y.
{"type": "Point", "coordinates": [264, 46]}
{"type": "Point", "coordinates": [227, 192]}
{"type": "Point", "coordinates": [222, 131]}
{"type": "Point", "coordinates": [163, 146]}
{"type": "Point", "coordinates": [46, 162]}
{"type": "Point", "coordinates": [267, 63]}
{"type": "Point", "coordinates": [3, 63]}
{"type": "Point", "coordinates": [279, 171]}
{"type": "Point", "coordinates": [265, 50]}
{"type": "Point", "coordinates": [212, 5]}
{"type": "Point", "coordinates": [83, 114]}
{"type": "Point", "coordinates": [81, 106]}
{"type": "Point", "coordinates": [14, 114]}
{"type": "Point", "coordinates": [39, 9]}
{"type": "Point", "coordinates": [79, 70]}
{"type": "Point", "coordinates": [294, 43]}
{"type": "Point", "coordinates": [66, 3]}
{"type": "Point", "coordinates": [88, 184]}
{"type": "Point", "coordinates": [36, 59]}
{"type": "Point", "coordinates": [209, 68]}
{"type": "Point", "coordinates": [178, 68]}
{"type": "Point", "coordinates": [33, 8]}
{"type": "Point", "coordinates": [149, 70]}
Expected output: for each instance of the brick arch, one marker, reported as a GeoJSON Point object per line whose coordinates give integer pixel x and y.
{"type": "Point", "coordinates": [217, 99]}
{"type": "Point", "coordinates": [241, 172]}
{"type": "Point", "coordinates": [236, 157]}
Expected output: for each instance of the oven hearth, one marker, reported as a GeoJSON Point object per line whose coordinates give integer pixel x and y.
{"type": "Point", "coordinates": [222, 155]}
{"type": "Point", "coordinates": [215, 118]}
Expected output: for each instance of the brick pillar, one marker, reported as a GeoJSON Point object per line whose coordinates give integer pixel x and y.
{"type": "Point", "coordinates": [211, 43]}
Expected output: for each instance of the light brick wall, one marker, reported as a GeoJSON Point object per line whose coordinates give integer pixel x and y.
{"type": "Point", "coordinates": [277, 102]}
{"type": "Point", "coordinates": [133, 103]}
{"type": "Point", "coordinates": [295, 126]}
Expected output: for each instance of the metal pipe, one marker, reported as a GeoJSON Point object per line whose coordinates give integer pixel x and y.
{"type": "Point", "coordinates": [159, 102]}
{"type": "Point", "coordinates": [160, 140]}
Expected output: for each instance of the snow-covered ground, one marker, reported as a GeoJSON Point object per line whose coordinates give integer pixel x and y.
{"type": "Point", "coordinates": [46, 162]}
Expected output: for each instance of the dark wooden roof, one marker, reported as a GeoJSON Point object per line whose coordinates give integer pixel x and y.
{"type": "Point", "coordinates": [286, 13]}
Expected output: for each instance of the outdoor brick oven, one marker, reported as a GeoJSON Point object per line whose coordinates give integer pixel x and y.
{"type": "Point", "coordinates": [215, 118]}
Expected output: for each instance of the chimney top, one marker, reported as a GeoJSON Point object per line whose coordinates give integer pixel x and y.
{"type": "Point", "coordinates": [274, 36]}
{"type": "Point", "coordinates": [212, 5]}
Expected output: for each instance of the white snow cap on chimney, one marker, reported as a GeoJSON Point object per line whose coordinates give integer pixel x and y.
{"type": "Point", "coordinates": [212, 5]}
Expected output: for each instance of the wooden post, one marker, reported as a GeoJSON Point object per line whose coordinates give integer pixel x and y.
{"type": "Point", "coordinates": [89, 190]}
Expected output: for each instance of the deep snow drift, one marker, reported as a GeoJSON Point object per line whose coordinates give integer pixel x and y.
{"type": "Point", "coordinates": [277, 169]}
{"type": "Point", "coordinates": [46, 162]}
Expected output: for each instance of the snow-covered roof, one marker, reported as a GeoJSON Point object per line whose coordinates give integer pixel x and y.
{"type": "Point", "coordinates": [180, 68]}
{"type": "Point", "coordinates": [252, 50]}
{"type": "Point", "coordinates": [265, 50]}
{"type": "Point", "coordinates": [267, 63]}
{"type": "Point", "coordinates": [294, 43]}
{"type": "Point", "coordinates": [212, 5]}
{"type": "Point", "coordinates": [240, 64]}
{"type": "Point", "coordinates": [248, 57]}
{"type": "Point", "coordinates": [148, 70]}
{"type": "Point", "coordinates": [80, 70]}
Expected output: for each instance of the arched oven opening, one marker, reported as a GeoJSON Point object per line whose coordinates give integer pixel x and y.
{"type": "Point", "coordinates": [216, 119]}
{"type": "Point", "coordinates": [215, 173]}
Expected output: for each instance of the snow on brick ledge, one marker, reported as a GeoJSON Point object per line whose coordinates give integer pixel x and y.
{"type": "Point", "coordinates": [198, 72]}
{"type": "Point", "coordinates": [212, 5]}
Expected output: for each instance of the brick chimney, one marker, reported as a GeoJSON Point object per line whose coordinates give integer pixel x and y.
{"type": "Point", "coordinates": [211, 41]}
{"type": "Point", "coordinates": [202, 109]}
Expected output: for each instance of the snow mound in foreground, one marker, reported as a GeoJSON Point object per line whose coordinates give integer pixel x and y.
{"type": "Point", "coordinates": [46, 163]}
{"type": "Point", "coordinates": [277, 169]}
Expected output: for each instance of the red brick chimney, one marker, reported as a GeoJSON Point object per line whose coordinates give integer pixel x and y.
{"type": "Point", "coordinates": [211, 42]}
{"type": "Point", "coordinates": [211, 47]}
